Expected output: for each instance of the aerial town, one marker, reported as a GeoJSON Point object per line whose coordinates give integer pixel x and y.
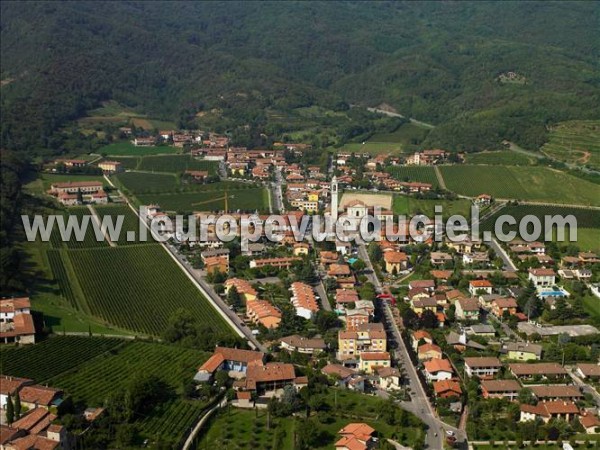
{"type": "Point", "coordinates": [299, 225]}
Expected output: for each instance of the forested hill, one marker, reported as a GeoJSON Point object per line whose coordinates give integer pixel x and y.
{"type": "Point", "coordinates": [447, 63]}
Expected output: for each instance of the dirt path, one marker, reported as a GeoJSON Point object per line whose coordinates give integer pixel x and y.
{"type": "Point", "coordinates": [438, 174]}
{"type": "Point", "coordinates": [96, 219]}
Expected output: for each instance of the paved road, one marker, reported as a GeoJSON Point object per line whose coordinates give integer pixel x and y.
{"type": "Point", "coordinates": [277, 193]}
{"type": "Point", "coordinates": [322, 293]}
{"type": "Point", "coordinates": [586, 387]}
{"type": "Point", "coordinates": [419, 404]}
{"type": "Point", "coordinates": [393, 114]}
{"type": "Point", "coordinates": [509, 265]}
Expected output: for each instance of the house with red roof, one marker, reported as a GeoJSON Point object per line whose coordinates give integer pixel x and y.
{"type": "Point", "coordinates": [355, 436]}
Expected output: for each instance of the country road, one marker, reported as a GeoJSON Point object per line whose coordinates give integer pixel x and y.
{"type": "Point", "coordinates": [393, 114]}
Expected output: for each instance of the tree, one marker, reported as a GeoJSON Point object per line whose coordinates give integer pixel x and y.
{"type": "Point", "coordinates": [374, 250]}
{"type": "Point", "coordinates": [18, 407]}
{"type": "Point", "coordinates": [234, 298]}
{"type": "Point", "coordinates": [10, 410]}
{"type": "Point", "coordinates": [526, 397]}
{"type": "Point", "coordinates": [359, 265]}
{"type": "Point", "coordinates": [428, 319]}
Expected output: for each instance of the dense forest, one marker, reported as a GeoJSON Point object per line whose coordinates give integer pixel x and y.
{"type": "Point", "coordinates": [440, 62]}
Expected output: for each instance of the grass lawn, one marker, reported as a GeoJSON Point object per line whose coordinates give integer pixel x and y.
{"type": "Point", "coordinates": [522, 183]}
{"type": "Point", "coordinates": [126, 148]}
{"type": "Point", "coordinates": [501, 157]}
{"type": "Point", "coordinates": [404, 204]}
{"type": "Point", "coordinates": [591, 303]}
{"type": "Point", "coordinates": [576, 141]}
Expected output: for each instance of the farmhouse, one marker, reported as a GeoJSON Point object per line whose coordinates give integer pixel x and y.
{"type": "Point", "coordinates": [36, 396]}
{"type": "Point", "coordinates": [16, 322]}
{"type": "Point", "coordinates": [483, 367]}
{"type": "Point", "coordinates": [10, 386]}
{"type": "Point", "coordinates": [110, 166]}
{"type": "Point", "coordinates": [144, 142]}
{"type": "Point", "coordinates": [230, 359]}
{"type": "Point", "coordinates": [74, 187]}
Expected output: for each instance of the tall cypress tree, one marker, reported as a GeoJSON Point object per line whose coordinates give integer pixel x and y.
{"type": "Point", "coordinates": [17, 406]}
{"type": "Point", "coordinates": [10, 410]}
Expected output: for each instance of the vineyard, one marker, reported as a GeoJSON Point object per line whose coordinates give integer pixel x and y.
{"type": "Point", "coordinates": [423, 174]}
{"type": "Point", "coordinates": [130, 221]}
{"type": "Point", "coordinates": [523, 183]}
{"type": "Point", "coordinates": [94, 380]}
{"type": "Point", "coordinates": [90, 240]}
{"type": "Point", "coordinates": [53, 356]}
{"type": "Point", "coordinates": [126, 148]}
{"type": "Point", "coordinates": [576, 141]}
{"type": "Point", "coordinates": [176, 164]}
{"type": "Point", "coordinates": [408, 205]}
{"type": "Point", "coordinates": [55, 259]}
{"type": "Point", "coordinates": [503, 158]}
{"type": "Point", "coordinates": [139, 182]}
{"type": "Point", "coordinates": [249, 199]}
{"type": "Point", "coordinates": [138, 287]}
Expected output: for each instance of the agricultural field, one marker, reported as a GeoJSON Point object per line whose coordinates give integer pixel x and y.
{"type": "Point", "coordinates": [138, 287]}
{"type": "Point", "coordinates": [251, 198]}
{"type": "Point", "coordinates": [588, 221]}
{"type": "Point", "coordinates": [407, 134]}
{"type": "Point", "coordinates": [90, 240]}
{"type": "Point", "coordinates": [500, 157]}
{"type": "Point", "coordinates": [372, 147]}
{"type": "Point", "coordinates": [54, 356]}
{"type": "Point", "coordinates": [176, 164]}
{"type": "Point", "coordinates": [423, 174]}
{"type": "Point", "coordinates": [126, 148]}
{"type": "Point", "coordinates": [110, 373]}
{"type": "Point", "coordinates": [521, 183]}
{"type": "Point", "coordinates": [575, 142]}
{"type": "Point", "coordinates": [409, 206]}
{"type": "Point", "coordinates": [139, 182]}
{"type": "Point", "coordinates": [130, 221]}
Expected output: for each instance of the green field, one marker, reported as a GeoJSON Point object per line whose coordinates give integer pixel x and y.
{"type": "Point", "coordinates": [501, 157]}
{"type": "Point", "coordinates": [588, 221]}
{"type": "Point", "coordinates": [248, 199]}
{"type": "Point", "coordinates": [176, 164]}
{"type": "Point", "coordinates": [423, 174]}
{"type": "Point", "coordinates": [139, 182]}
{"type": "Point", "coordinates": [130, 221]}
{"type": "Point", "coordinates": [138, 287]}
{"type": "Point", "coordinates": [95, 380]}
{"type": "Point", "coordinates": [576, 142]}
{"type": "Point", "coordinates": [126, 148]}
{"type": "Point", "coordinates": [409, 206]}
{"type": "Point", "coordinates": [371, 147]}
{"type": "Point", "coordinates": [53, 356]}
{"type": "Point", "coordinates": [90, 240]}
{"type": "Point", "coordinates": [245, 429]}
{"type": "Point", "coordinates": [407, 134]}
{"type": "Point", "coordinates": [523, 183]}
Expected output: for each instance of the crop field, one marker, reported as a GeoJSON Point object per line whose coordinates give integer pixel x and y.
{"type": "Point", "coordinates": [130, 221]}
{"type": "Point", "coordinates": [501, 157]}
{"type": "Point", "coordinates": [138, 287]}
{"type": "Point", "coordinates": [521, 183]}
{"type": "Point", "coordinates": [53, 356]}
{"type": "Point", "coordinates": [576, 142]}
{"type": "Point", "coordinates": [409, 206]}
{"type": "Point", "coordinates": [94, 380]}
{"type": "Point", "coordinates": [60, 274]}
{"type": "Point", "coordinates": [423, 174]}
{"type": "Point", "coordinates": [249, 199]}
{"type": "Point", "coordinates": [139, 182]}
{"type": "Point", "coordinates": [126, 148]}
{"type": "Point", "coordinates": [90, 240]}
{"type": "Point", "coordinates": [588, 222]}
{"type": "Point", "coordinates": [176, 164]}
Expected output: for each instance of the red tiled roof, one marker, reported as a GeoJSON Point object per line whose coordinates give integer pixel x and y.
{"type": "Point", "coordinates": [37, 394]}
{"type": "Point", "coordinates": [446, 385]}
{"type": "Point", "coordinates": [438, 365]}
{"type": "Point", "coordinates": [8, 384]}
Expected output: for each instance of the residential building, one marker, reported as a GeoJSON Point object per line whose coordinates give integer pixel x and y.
{"type": "Point", "coordinates": [542, 277]}
{"type": "Point", "coordinates": [481, 330]}
{"type": "Point", "coordinates": [110, 166]}
{"type": "Point", "coordinates": [588, 371]}
{"type": "Point", "coordinates": [395, 262]}
{"type": "Point", "coordinates": [280, 263]}
{"type": "Point", "coordinates": [229, 359]}
{"type": "Point", "coordinates": [482, 367]}
{"type": "Point", "coordinates": [476, 287]}
{"type": "Point", "coordinates": [243, 287]}
{"type": "Point", "coordinates": [300, 344]}
{"type": "Point", "coordinates": [16, 321]}
{"type": "Point", "coordinates": [390, 378]}
{"type": "Point", "coordinates": [467, 309]}
{"type": "Point", "coordinates": [36, 396]}
{"type": "Point", "coordinates": [355, 436]}
{"type": "Point", "coordinates": [10, 386]}
{"type": "Point", "coordinates": [426, 352]}
{"type": "Point", "coordinates": [262, 378]}
{"type": "Point", "coordinates": [504, 305]}
{"type": "Point", "coordinates": [550, 392]}
{"type": "Point", "coordinates": [565, 410]}
{"type": "Point", "coordinates": [264, 313]}
{"type": "Point", "coordinates": [438, 369]}
{"type": "Point", "coordinates": [447, 389]}
{"type": "Point", "coordinates": [304, 300]}
{"type": "Point", "coordinates": [369, 337]}
{"type": "Point", "coordinates": [369, 362]}
{"type": "Point", "coordinates": [538, 370]}
{"type": "Point", "coordinates": [500, 389]}
{"type": "Point", "coordinates": [420, 336]}
{"type": "Point", "coordinates": [523, 351]}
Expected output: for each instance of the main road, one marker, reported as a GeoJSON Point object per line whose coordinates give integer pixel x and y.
{"type": "Point", "coordinates": [419, 404]}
